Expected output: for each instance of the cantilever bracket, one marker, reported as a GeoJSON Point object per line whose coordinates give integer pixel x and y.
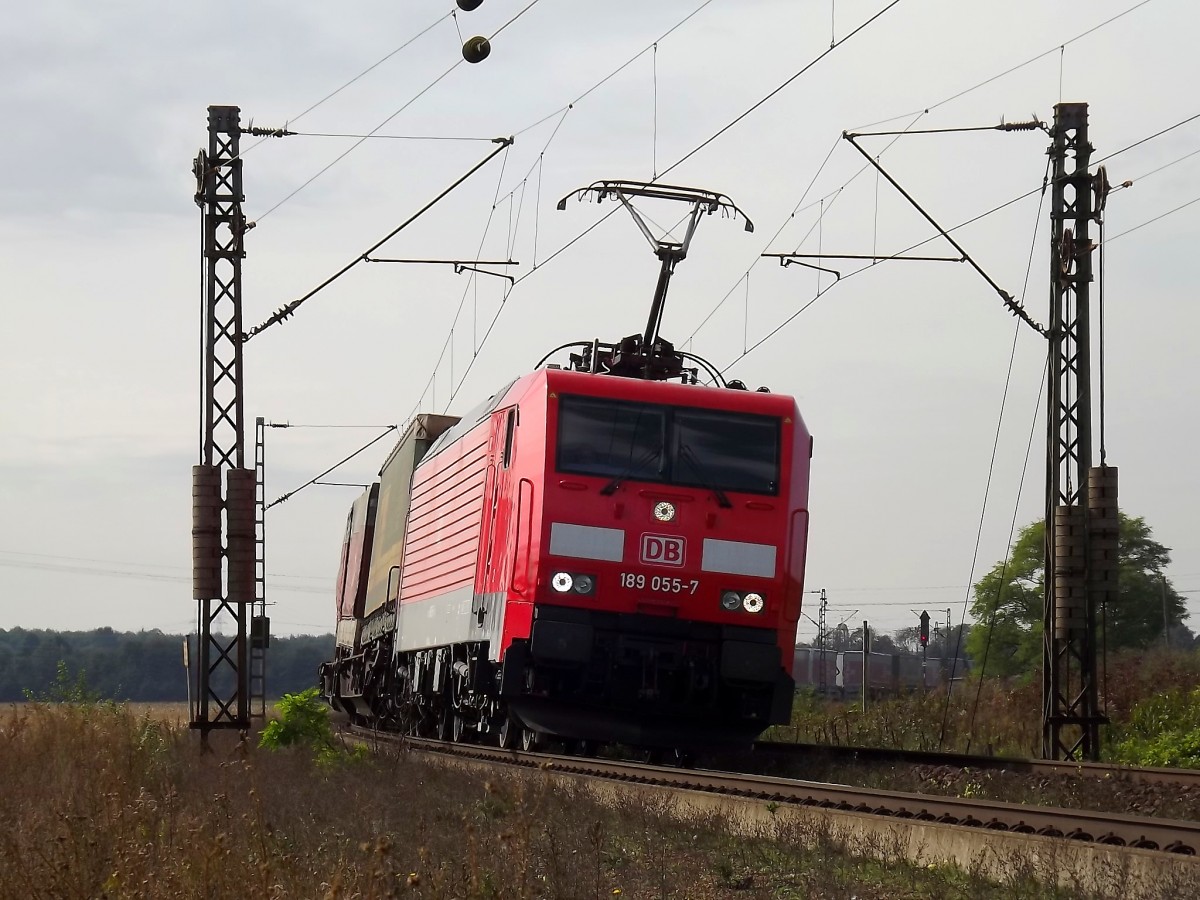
{"type": "Point", "coordinates": [1012, 305]}
{"type": "Point", "coordinates": [460, 268]}
{"type": "Point", "coordinates": [785, 261]}
{"type": "Point", "coordinates": [460, 265]}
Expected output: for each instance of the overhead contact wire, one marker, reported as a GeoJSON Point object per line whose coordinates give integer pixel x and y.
{"type": "Point", "coordinates": [472, 282]}
{"type": "Point", "coordinates": [365, 71]}
{"type": "Point", "coordinates": [358, 143]}
{"type": "Point", "coordinates": [562, 113]}
{"type": "Point", "coordinates": [772, 94]}
{"type": "Point", "coordinates": [1056, 48]}
{"type": "Point", "coordinates": [1004, 205]}
{"type": "Point", "coordinates": [991, 469]}
{"type": "Point", "coordinates": [987, 492]}
{"type": "Point", "coordinates": [618, 69]}
{"type": "Point", "coordinates": [725, 128]}
{"type": "Point", "coordinates": [289, 309]}
{"type": "Point", "coordinates": [799, 207]}
{"type": "Point", "coordinates": [1012, 530]}
{"type": "Point", "coordinates": [719, 132]}
{"type": "Point", "coordinates": [371, 443]}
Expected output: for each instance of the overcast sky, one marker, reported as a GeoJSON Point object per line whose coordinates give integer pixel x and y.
{"type": "Point", "coordinates": [900, 371]}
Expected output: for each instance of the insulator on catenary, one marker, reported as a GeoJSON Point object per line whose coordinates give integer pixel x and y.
{"type": "Point", "coordinates": [239, 513]}
{"type": "Point", "coordinates": [206, 532]}
{"type": "Point", "coordinates": [476, 49]}
{"type": "Point", "coordinates": [1032, 125]}
{"type": "Point", "coordinates": [264, 131]}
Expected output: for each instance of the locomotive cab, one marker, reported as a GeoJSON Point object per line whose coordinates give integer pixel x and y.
{"type": "Point", "coordinates": [669, 563]}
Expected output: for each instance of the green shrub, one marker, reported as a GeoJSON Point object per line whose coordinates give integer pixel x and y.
{"type": "Point", "coordinates": [303, 721]}
{"type": "Point", "coordinates": [1163, 730]}
{"type": "Point", "coordinates": [65, 689]}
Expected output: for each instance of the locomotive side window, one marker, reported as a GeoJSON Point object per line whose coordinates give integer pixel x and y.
{"type": "Point", "coordinates": [610, 438]}
{"type": "Point", "coordinates": [673, 445]}
{"type": "Point", "coordinates": [732, 451]}
{"type": "Point", "coordinates": [510, 427]}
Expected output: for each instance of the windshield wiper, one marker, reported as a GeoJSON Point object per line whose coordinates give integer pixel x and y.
{"type": "Point", "coordinates": [612, 486]}
{"type": "Point", "coordinates": [686, 454]}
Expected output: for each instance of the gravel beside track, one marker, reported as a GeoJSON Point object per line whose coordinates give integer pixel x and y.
{"type": "Point", "coordinates": [1143, 775]}
{"type": "Point", "coordinates": [1159, 793]}
{"type": "Point", "coordinates": [1109, 828]}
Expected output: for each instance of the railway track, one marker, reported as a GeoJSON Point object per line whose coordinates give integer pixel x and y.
{"type": "Point", "coordinates": [1100, 828]}
{"type": "Point", "coordinates": [880, 756]}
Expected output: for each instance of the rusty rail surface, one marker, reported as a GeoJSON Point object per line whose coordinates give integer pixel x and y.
{"type": "Point", "coordinates": [1111, 771]}
{"type": "Point", "coordinates": [1114, 829]}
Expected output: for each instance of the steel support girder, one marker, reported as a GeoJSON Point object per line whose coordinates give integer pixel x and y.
{"type": "Point", "coordinates": [1070, 709]}
{"type": "Point", "coordinates": [222, 699]}
{"type": "Point", "coordinates": [219, 176]}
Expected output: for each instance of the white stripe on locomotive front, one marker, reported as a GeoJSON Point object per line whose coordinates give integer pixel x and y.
{"type": "Point", "coordinates": [738, 558]}
{"type": "Point", "coordinates": [587, 542]}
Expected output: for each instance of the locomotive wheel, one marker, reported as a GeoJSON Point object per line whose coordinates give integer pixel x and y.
{"type": "Point", "coordinates": [458, 729]}
{"type": "Point", "coordinates": [444, 725]}
{"type": "Point", "coordinates": [530, 740]}
{"type": "Point", "coordinates": [684, 759]}
{"type": "Point", "coordinates": [510, 734]}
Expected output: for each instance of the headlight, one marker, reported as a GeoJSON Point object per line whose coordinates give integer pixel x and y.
{"type": "Point", "coordinates": [583, 584]}
{"type": "Point", "coordinates": [731, 600]}
{"type": "Point", "coordinates": [562, 582]}
{"type": "Point", "coordinates": [753, 603]}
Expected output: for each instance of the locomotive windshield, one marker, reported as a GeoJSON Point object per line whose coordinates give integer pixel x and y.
{"type": "Point", "coordinates": [687, 446]}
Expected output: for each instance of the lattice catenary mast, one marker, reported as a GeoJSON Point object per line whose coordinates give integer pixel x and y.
{"type": "Point", "coordinates": [223, 526]}
{"type": "Point", "coordinates": [1081, 501]}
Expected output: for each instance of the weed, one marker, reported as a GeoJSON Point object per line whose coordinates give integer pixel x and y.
{"type": "Point", "coordinates": [303, 721]}
{"type": "Point", "coordinates": [66, 689]}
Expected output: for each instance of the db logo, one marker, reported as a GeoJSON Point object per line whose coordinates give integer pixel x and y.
{"type": "Point", "coordinates": [662, 550]}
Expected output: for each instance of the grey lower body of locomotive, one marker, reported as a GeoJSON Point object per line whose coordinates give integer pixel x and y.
{"type": "Point", "coordinates": [583, 675]}
{"type": "Point", "coordinates": [647, 680]}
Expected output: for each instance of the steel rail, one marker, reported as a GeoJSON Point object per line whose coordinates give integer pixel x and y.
{"type": "Point", "coordinates": [1112, 771]}
{"type": "Point", "coordinates": [1113, 829]}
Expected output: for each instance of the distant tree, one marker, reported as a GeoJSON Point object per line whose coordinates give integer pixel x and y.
{"type": "Point", "coordinates": [1008, 600]}
{"type": "Point", "coordinates": [855, 639]}
{"type": "Point", "coordinates": [882, 643]}
{"type": "Point", "coordinates": [907, 639]}
{"type": "Point", "coordinates": [1180, 637]}
{"type": "Point", "coordinates": [839, 638]}
{"type": "Point", "coordinates": [141, 666]}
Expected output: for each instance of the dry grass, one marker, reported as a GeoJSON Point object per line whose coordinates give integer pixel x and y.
{"type": "Point", "coordinates": [104, 802]}
{"type": "Point", "coordinates": [1000, 717]}
{"type": "Point", "coordinates": [1007, 720]}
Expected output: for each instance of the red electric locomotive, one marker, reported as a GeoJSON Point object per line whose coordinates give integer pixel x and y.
{"type": "Point", "coordinates": [608, 552]}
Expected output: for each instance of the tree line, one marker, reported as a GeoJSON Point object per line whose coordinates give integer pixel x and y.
{"type": "Point", "coordinates": [1007, 607]}
{"type": "Point", "coordinates": [1008, 602]}
{"type": "Point", "coordinates": [143, 666]}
